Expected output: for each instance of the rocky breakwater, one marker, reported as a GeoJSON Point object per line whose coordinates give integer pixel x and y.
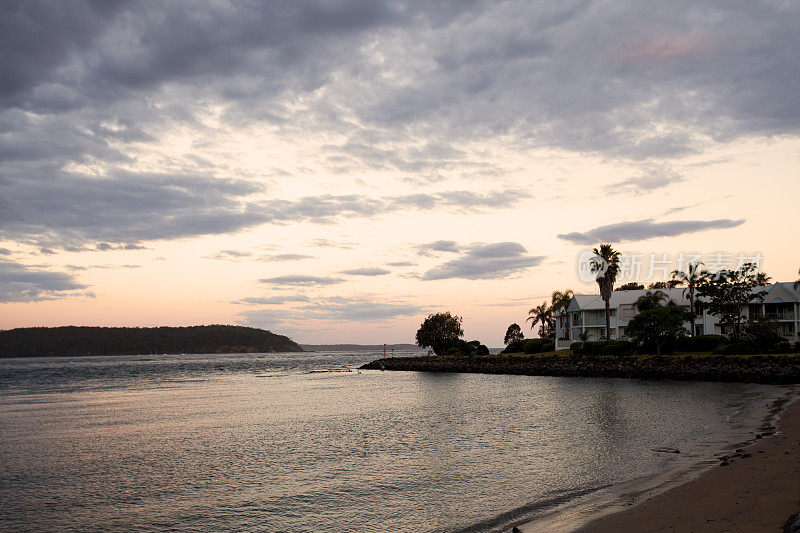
{"type": "Point", "coordinates": [770, 369]}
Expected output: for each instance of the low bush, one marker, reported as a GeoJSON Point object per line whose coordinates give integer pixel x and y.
{"type": "Point", "coordinates": [617, 348]}
{"type": "Point", "coordinates": [482, 350]}
{"type": "Point", "coordinates": [593, 347]}
{"type": "Point", "coordinates": [700, 343]}
{"type": "Point", "coordinates": [576, 348]}
{"type": "Point", "coordinates": [453, 351]}
{"type": "Point", "coordinates": [751, 347]}
{"type": "Point", "coordinates": [534, 346]}
{"type": "Point", "coordinates": [515, 347]}
{"type": "Point", "coordinates": [548, 347]}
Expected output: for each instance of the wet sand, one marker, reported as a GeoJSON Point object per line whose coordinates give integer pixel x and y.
{"type": "Point", "coordinates": [758, 490]}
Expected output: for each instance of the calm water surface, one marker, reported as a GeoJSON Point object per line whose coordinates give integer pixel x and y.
{"type": "Point", "coordinates": [303, 442]}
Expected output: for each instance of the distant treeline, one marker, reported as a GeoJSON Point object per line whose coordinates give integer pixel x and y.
{"type": "Point", "coordinates": [77, 341]}
{"type": "Point", "coordinates": [358, 347]}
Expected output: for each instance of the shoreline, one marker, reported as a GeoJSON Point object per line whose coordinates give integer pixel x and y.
{"type": "Point", "coordinates": [750, 484]}
{"type": "Point", "coordinates": [752, 487]}
{"type": "Point", "coordinates": [764, 369]}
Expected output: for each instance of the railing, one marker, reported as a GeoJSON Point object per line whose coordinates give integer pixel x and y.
{"type": "Point", "coordinates": [563, 344]}
{"type": "Point", "coordinates": [787, 315]}
{"type": "Point", "coordinates": [596, 321]}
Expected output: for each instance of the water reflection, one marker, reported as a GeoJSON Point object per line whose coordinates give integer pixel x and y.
{"type": "Point", "coordinates": [209, 443]}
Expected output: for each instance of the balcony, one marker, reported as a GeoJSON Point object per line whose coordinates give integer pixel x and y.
{"type": "Point", "coordinates": [596, 321]}
{"type": "Point", "coordinates": [786, 315]}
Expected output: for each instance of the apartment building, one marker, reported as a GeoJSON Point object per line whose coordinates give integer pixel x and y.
{"type": "Point", "coordinates": [586, 313]}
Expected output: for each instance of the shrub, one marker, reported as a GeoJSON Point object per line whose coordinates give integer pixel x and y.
{"type": "Point", "coordinates": [617, 348]}
{"type": "Point", "coordinates": [482, 350]}
{"type": "Point", "coordinates": [576, 348]}
{"type": "Point", "coordinates": [700, 343]}
{"type": "Point", "coordinates": [765, 333]}
{"type": "Point", "coordinates": [453, 351]}
{"type": "Point", "coordinates": [593, 347]}
{"type": "Point", "coordinates": [515, 347]}
{"type": "Point", "coordinates": [534, 346]}
{"type": "Point", "coordinates": [471, 347]}
{"type": "Point", "coordinates": [548, 347]}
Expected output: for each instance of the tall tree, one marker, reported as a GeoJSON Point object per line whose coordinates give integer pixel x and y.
{"type": "Point", "coordinates": [669, 284]}
{"type": "Point", "coordinates": [630, 286]}
{"type": "Point", "coordinates": [540, 314]}
{"type": "Point", "coordinates": [691, 277]}
{"type": "Point", "coordinates": [439, 331]}
{"type": "Point", "coordinates": [559, 303]}
{"type": "Point", "coordinates": [560, 300]}
{"type": "Point", "coordinates": [728, 291]}
{"type": "Point", "coordinates": [797, 283]}
{"type": "Point", "coordinates": [513, 334]}
{"type": "Point", "coordinates": [650, 300]}
{"type": "Point", "coordinates": [606, 274]}
{"type": "Point", "coordinates": [658, 328]}
{"type": "Point", "coordinates": [763, 279]}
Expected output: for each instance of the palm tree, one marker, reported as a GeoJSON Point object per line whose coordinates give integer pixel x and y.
{"type": "Point", "coordinates": [692, 277]}
{"type": "Point", "coordinates": [762, 279]}
{"type": "Point", "coordinates": [606, 276]}
{"type": "Point", "coordinates": [540, 313]}
{"type": "Point", "coordinates": [650, 300]}
{"type": "Point", "coordinates": [560, 301]}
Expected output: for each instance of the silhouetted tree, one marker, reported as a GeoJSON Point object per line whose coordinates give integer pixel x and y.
{"type": "Point", "coordinates": [692, 277]}
{"type": "Point", "coordinates": [513, 334]}
{"type": "Point", "coordinates": [540, 314]}
{"type": "Point", "coordinates": [439, 331]}
{"type": "Point", "coordinates": [728, 291]}
{"type": "Point", "coordinates": [650, 300]}
{"type": "Point", "coordinates": [606, 274]}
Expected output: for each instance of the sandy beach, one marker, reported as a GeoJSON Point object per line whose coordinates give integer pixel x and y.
{"type": "Point", "coordinates": [758, 490]}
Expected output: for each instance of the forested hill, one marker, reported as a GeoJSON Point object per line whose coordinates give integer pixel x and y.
{"type": "Point", "coordinates": [74, 341]}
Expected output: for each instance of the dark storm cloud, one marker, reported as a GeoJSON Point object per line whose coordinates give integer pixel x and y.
{"type": "Point", "coordinates": [403, 85]}
{"type": "Point", "coordinates": [21, 283]}
{"type": "Point", "coordinates": [69, 211]}
{"type": "Point", "coordinates": [640, 230]}
{"type": "Point", "coordinates": [118, 211]}
{"type": "Point", "coordinates": [486, 261]}
{"type": "Point", "coordinates": [298, 280]}
{"type": "Point", "coordinates": [366, 271]}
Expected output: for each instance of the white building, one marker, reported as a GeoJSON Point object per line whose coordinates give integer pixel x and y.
{"type": "Point", "coordinates": [586, 313]}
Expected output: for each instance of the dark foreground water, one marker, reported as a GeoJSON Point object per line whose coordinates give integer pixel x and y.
{"type": "Point", "coordinates": [303, 442]}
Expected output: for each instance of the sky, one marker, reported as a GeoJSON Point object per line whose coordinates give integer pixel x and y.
{"type": "Point", "coordinates": [337, 170]}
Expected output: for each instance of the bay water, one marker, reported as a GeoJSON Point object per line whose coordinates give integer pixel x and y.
{"type": "Point", "coordinates": [306, 442]}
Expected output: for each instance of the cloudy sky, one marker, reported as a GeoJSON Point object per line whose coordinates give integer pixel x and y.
{"type": "Point", "coordinates": [337, 170]}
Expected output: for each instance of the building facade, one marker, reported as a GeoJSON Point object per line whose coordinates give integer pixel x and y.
{"type": "Point", "coordinates": [585, 314]}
